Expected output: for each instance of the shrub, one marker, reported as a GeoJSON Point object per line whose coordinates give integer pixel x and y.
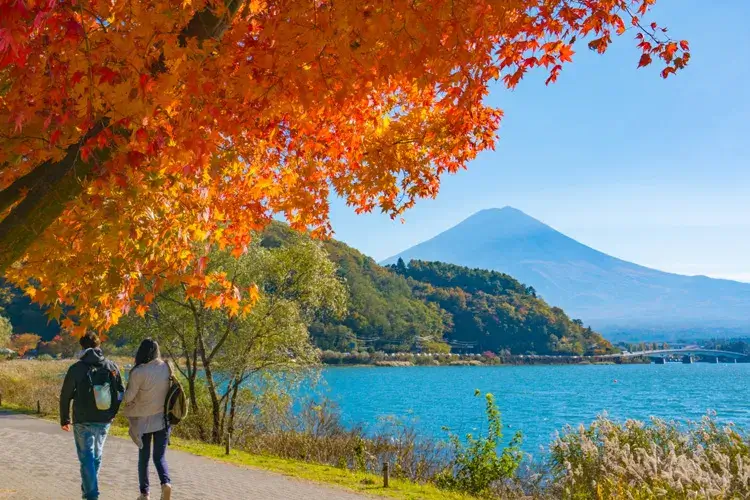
{"type": "Point", "coordinates": [477, 467]}
{"type": "Point", "coordinates": [424, 361]}
{"type": "Point", "coordinates": [6, 330]}
{"type": "Point", "coordinates": [314, 431]}
{"type": "Point", "coordinates": [437, 347]}
{"type": "Point", "coordinates": [24, 342]}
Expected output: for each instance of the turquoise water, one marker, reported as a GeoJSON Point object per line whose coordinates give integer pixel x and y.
{"type": "Point", "coordinates": [538, 400]}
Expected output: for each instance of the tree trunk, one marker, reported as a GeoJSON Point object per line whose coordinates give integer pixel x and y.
{"type": "Point", "coordinates": [215, 406]}
{"type": "Point", "coordinates": [211, 384]}
{"type": "Point", "coordinates": [52, 187]}
{"type": "Point", "coordinates": [232, 402]}
{"type": "Point", "coordinates": [233, 406]}
{"type": "Point", "coordinates": [225, 410]}
{"type": "Point", "coordinates": [192, 370]}
{"type": "Point", "coordinates": [192, 375]}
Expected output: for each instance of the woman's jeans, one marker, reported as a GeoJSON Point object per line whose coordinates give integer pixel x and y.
{"type": "Point", "coordinates": [160, 440]}
{"type": "Point", "coordinates": [89, 445]}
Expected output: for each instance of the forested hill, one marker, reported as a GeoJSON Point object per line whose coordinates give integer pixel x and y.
{"type": "Point", "coordinates": [493, 311]}
{"type": "Point", "coordinates": [383, 312]}
{"type": "Point", "coordinates": [428, 304]}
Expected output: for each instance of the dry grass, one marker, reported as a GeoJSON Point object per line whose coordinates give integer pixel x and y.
{"type": "Point", "coordinates": [25, 382]}
{"type": "Point", "coordinates": [658, 459]}
{"type": "Point", "coordinates": [317, 434]}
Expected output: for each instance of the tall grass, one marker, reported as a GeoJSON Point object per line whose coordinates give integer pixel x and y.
{"type": "Point", "coordinates": [657, 459]}
{"type": "Point", "coordinates": [25, 382]}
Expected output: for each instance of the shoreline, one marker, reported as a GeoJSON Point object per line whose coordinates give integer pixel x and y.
{"type": "Point", "coordinates": [410, 364]}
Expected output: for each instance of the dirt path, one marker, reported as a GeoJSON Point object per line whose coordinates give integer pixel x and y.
{"type": "Point", "coordinates": [38, 461]}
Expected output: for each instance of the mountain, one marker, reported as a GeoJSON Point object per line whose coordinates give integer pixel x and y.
{"type": "Point", "coordinates": [611, 294]}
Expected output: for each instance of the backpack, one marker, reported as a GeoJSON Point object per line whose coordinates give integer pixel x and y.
{"type": "Point", "coordinates": [100, 378]}
{"type": "Point", "coordinates": [175, 406]}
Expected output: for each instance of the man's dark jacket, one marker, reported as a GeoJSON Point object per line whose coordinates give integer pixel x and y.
{"type": "Point", "coordinates": [78, 387]}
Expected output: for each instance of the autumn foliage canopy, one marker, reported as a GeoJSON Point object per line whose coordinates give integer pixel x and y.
{"type": "Point", "coordinates": [135, 135]}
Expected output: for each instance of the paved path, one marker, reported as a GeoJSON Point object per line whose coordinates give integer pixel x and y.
{"type": "Point", "coordinates": [38, 462]}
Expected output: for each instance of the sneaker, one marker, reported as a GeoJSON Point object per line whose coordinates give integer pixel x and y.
{"type": "Point", "coordinates": [143, 497]}
{"type": "Point", "coordinates": [166, 491]}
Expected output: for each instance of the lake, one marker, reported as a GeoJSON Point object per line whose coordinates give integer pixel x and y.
{"type": "Point", "coordinates": [538, 400]}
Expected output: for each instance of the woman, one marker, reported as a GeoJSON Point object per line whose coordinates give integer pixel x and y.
{"type": "Point", "coordinates": [144, 399]}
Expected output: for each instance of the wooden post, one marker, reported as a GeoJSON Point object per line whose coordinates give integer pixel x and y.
{"type": "Point", "coordinates": [1, 399]}
{"type": "Point", "coordinates": [38, 406]}
{"type": "Point", "coordinates": [386, 474]}
{"type": "Point", "coordinates": [228, 443]}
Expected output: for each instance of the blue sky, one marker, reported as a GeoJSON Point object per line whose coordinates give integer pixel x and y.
{"type": "Point", "coordinates": [648, 170]}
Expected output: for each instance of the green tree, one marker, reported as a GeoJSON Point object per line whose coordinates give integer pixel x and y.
{"type": "Point", "coordinates": [6, 296]}
{"type": "Point", "coordinates": [296, 282]}
{"type": "Point", "coordinates": [400, 266]}
{"type": "Point", "coordinates": [493, 311]}
{"type": "Point", "coordinates": [436, 347]}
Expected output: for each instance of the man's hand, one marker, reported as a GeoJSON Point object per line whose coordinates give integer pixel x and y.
{"type": "Point", "coordinates": [66, 427]}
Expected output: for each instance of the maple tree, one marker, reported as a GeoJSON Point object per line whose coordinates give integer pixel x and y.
{"type": "Point", "coordinates": [135, 136]}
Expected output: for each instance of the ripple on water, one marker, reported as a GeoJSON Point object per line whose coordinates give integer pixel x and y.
{"type": "Point", "coordinates": [538, 400]}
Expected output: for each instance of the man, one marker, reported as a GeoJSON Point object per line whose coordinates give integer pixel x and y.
{"type": "Point", "coordinates": [94, 385]}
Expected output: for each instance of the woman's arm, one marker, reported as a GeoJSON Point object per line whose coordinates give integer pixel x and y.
{"type": "Point", "coordinates": [134, 385]}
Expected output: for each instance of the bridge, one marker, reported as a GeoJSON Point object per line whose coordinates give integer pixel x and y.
{"type": "Point", "coordinates": [687, 353]}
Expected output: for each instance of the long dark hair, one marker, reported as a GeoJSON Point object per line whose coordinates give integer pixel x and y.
{"type": "Point", "coordinates": [147, 352]}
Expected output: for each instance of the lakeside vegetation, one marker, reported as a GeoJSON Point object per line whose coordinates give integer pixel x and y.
{"type": "Point", "coordinates": [607, 459]}
{"type": "Point", "coordinates": [439, 308]}
{"type": "Point", "coordinates": [423, 307]}
{"type": "Point", "coordinates": [487, 358]}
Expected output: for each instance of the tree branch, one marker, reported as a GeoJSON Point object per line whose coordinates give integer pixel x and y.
{"type": "Point", "coordinates": [52, 185]}
{"type": "Point", "coordinates": [230, 323]}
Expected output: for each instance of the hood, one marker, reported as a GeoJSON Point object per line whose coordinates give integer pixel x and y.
{"type": "Point", "coordinates": [92, 356]}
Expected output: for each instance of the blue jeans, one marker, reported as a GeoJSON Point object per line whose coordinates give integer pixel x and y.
{"type": "Point", "coordinates": [160, 440]}
{"type": "Point", "coordinates": [89, 445]}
